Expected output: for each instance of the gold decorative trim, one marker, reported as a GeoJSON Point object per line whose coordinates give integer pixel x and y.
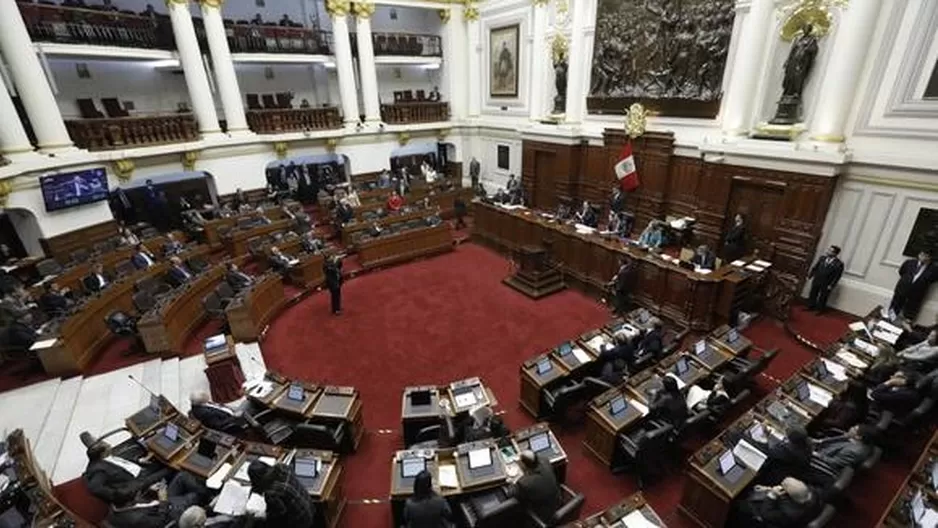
{"type": "Point", "coordinates": [559, 47]}
{"type": "Point", "coordinates": [471, 12]}
{"type": "Point", "coordinates": [539, 3]}
{"type": "Point", "coordinates": [212, 3]}
{"type": "Point", "coordinates": [445, 15]}
{"type": "Point", "coordinates": [828, 138]}
{"type": "Point", "coordinates": [636, 119]}
{"type": "Point", "coordinates": [338, 8]}
{"type": "Point", "coordinates": [403, 138]}
{"type": "Point", "coordinates": [6, 189]}
{"type": "Point", "coordinates": [177, 2]}
{"type": "Point", "coordinates": [801, 13]}
{"type": "Point", "coordinates": [124, 169]}
{"type": "Point", "coordinates": [281, 148]}
{"type": "Point", "coordinates": [188, 159]}
{"type": "Point", "coordinates": [363, 9]}
{"type": "Point", "coordinates": [331, 144]}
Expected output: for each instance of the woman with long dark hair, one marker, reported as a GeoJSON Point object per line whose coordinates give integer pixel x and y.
{"type": "Point", "coordinates": [426, 509]}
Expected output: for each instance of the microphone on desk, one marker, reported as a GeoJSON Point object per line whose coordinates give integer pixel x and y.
{"type": "Point", "coordinates": [138, 382]}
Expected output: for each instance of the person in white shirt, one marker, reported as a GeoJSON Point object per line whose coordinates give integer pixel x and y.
{"type": "Point", "coordinates": [926, 351]}
{"type": "Point", "coordinates": [114, 479]}
{"type": "Point", "coordinates": [97, 280]}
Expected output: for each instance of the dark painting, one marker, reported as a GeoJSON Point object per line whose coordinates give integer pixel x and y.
{"type": "Point", "coordinates": [666, 54]}
{"type": "Point", "coordinates": [924, 233]}
{"type": "Point", "coordinates": [503, 156]}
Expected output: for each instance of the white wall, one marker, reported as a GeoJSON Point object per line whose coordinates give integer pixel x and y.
{"type": "Point", "coordinates": [409, 20]}
{"type": "Point", "coordinates": [496, 15]}
{"type": "Point", "coordinates": [484, 146]}
{"type": "Point", "coordinates": [397, 78]}
{"type": "Point", "coordinates": [297, 78]}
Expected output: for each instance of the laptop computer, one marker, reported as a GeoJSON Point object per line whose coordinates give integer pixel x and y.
{"type": "Point", "coordinates": [730, 470]}
{"type": "Point", "coordinates": [544, 366]}
{"type": "Point", "coordinates": [539, 442]}
{"type": "Point", "coordinates": [617, 405]}
{"type": "Point", "coordinates": [732, 335]}
{"type": "Point", "coordinates": [421, 397]}
{"type": "Point", "coordinates": [681, 367]}
{"type": "Point", "coordinates": [412, 466]}
{"type": "Point", "coordinates": [564, 349]}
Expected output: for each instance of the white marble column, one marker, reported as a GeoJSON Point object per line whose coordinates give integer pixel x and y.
{"type": "Point", "coordinates": [455, 69]}
{"type": "Point", "coordinates": [476, 71]}
{"type": "Point", "coordinates": [225, 79]}
{"type": "Point", "coordinates": [366, 63]}
{"type": "Point", "coordinates": [579, 61]}
{"type": "Point", "coordinates": [190, 57]}
{"type": "Point", "coordinates": [343, 61]}
{"type": "Point", "coordinates": [747, 67]}
{"type": "Point", "coordinates": [848, 52]}
{"type": "Point", "coordinates": [13, 138]}
{"type": "Point", "coordinates": [30, 81]}
{"type": "Point", "coordinates": [540, 88]}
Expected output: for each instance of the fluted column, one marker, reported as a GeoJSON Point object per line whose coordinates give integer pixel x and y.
{"type": "Point", "coordinates": [366, 61]}
{"type": "Point", "coordinates": [848, 52]}
{"type": "Point", "coordinates": [225, 78]}
{"type": "Point", "coordinates": [190, 57]}
{"type": "Point", "coordinates": [338, 10]}
{"type": "Point", "coordinates": [455, 72]}
{"type": "Point", "coordinates": [13, 138]}
{"type": "Point", "coordinates": [30, 81]}
{"type": "Point", "coordinates": [580, 60]}
{"type": "Point", "coordinates": [539, 62]}
{"type": "Point", "coordinates": [747, 67]}
{"type": "Point", "coordinates": [471, 18]}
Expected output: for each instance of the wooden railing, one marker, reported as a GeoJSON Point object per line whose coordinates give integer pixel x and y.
{"type": "Point", "coordinates": [420, 112]}
{"type": "Point", "coordinates": [277, 121]}
{"type": "Point", "coordinates": [244, 38]}
{"type": "Point", "coordinates": [70, 25]}
{"type": "Point", "coordinates": [407, 45]}
{"type": "Point", "coordinates": [127, 132]}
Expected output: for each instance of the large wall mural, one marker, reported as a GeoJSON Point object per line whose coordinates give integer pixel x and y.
{"type": "Point", "coordinates": [666, 54]}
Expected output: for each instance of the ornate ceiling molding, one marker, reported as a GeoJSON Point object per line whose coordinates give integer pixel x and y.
{"type": "Point", "coordinates": [212, 3]}
{"type": "Point", "coordinates": [363, 9]}
{"type": "Point", "coordinates": [338, 8]}
{"type": "Point", "coordinates": [124, 169]}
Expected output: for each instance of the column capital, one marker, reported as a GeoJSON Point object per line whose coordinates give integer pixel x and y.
{"type": "Point", "coordinates": [363, 9]}
{"type": "Point", "coordinates": [471, 11]}
{"type": "Point", "coordinates": [169, 3]}
{"type": "Point", "coordinates": [211, 3]}
{"type": "Point", "coordinates": [445, 15]}
{"type": "Point", "coordinates": [539, 3]}
{"type": "Point", "coordinates": [338, 8]}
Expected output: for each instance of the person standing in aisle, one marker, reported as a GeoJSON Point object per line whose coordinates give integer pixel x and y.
{"type": "Point", "coordinates": [332, 267]}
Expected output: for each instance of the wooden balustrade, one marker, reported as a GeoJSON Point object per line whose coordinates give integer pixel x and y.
{"type": "Point", "coordinates": [245, 38]}
{"type": "Point", "coordinates": [407, 45]}
{"type": "Point", "coordinates": [128, 132]}
{"type": "Point", "coordinates": [416, 112]}
{"type": "Point", "coordinates": [276, 121]}
{"type": "Point", "coordinates": [71, 25]}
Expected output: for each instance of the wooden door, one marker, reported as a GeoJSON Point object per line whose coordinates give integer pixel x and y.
{"type": "Point", "coordinates": [544, 192]}
{"type": "Point", "coordinates": [759, 205]}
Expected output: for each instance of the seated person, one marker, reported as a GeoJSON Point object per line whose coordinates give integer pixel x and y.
{"type": "Point", "coordinates": [260, 217]}
{"type": "Point", "coordinates": [615, 372]}
{"type": "Point", "coordinates": [311, 243]}
{"type": "Point", "coordinates": [53, 301]}
{"type": "Point", "coordinates": [17, 306]}
{"type": "Point", "coordinates": [353, 199]}
{"type": "Point", "coordinates": [846, 450]}
{"type": "Point", "coordinates": [586, 215]}
{"type": "Point", "coordinates": [621, 348]}
{"type": "Point", "coordinates": [791, 504]}
{"type": "Point", "coordinates": [716, 400]}
{"type": "Point", "coordinates": [483, 424]}
{"type": "Point", "coordinates": [97, 280]}
{"type": "Point", "coordinates": [923, 352]}
{"type": "Point", "coordinates": [344, 212]}
{"type": "Point", "coordinates": [128, 238]}
{"type": "Point", "coordinates": [848, 410]}
{"type": "Point", "coordinates": [537, 489]}
{"type": "Point", "coordinates": [116, 480]}
{"type": "Point", "coordinates": [668, 403]}
{"type": "Point", "coordinates": [653, 235]}
{"type": "Point", "coordinates": [172, 246]}
{"type": "Point", "coordinates": [790, 457]}
{"type": "Point", "coordinates": [652, 341]}
{"type": "Point", "coordinates": [196, 517]}
{"type": "Point", "coordinates": [384, 179]}
{"type": "Point", "coordinates": [704, 258]}
{"type": "Point", "coordinates": [215, 415]}
{"type": "Point", "coordinates": [178, 271]}
{"type": "Point", "coordinates": [288, 502]}
{"type": "Point", "coordinates": [913, 333]}
{"type": "Point", "coordinates": [142, 258]}
{"type": "Point", "coordinates": [426, 509]}
{"type": "Point", "coordinates": [898, 392]}
{"type": "Point", "coordinates": [184, 490]}
{"type": "Point", "coordinates": [236, 278]}
{"type": "Point", "coordinates": [395, 202]}
{"type": "Point", "coordinates": [280, 262]}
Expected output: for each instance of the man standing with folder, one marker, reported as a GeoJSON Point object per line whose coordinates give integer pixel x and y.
{"type": "Point", "coordinates": [824, 276]}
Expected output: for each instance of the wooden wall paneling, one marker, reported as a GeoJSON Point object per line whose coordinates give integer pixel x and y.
{"type": "Point", "coordinates": [713, 191]}
{"type": "Point", "coordinates": [549, 173]}
{"type": "Point", "coordinates": [653, 152]}
{"type": "Point", "coordinates": [596, 178]}
{"type": "Point", "coordinates": [454, 169]}
{"type": "Point", "coordinates": [61, 246]}
{"type": "Point", "coordinates": [682, 187]}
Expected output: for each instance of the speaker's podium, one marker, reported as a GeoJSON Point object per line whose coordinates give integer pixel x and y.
{"type": "Point", "coordinates": [534, 274]}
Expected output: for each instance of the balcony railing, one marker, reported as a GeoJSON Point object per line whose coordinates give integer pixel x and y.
{"type": "Point", "coordinates": [244, 38]}
{"type": "Point", "coordinates": [277, 121]}
{"type": "Point", "coordinates": [128, 132]}
{"type": "Point", "coordinates": [70, 25]}
{"type": "Point", "coordinates": [418, 112]}
{"type": "Point", "coordinates": [407, 45]}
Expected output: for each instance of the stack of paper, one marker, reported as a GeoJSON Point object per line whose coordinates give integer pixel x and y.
{"type": "Point", "coordinates": [851, 359]}
{"type": "Point", "coordinates": [256, 506]}
{"type": "Point", "coordinates": [448, 477]}
{"type": "Point", "coordinates": [581, 356]}
{"type": "Point", "coordinates": [639, 406]}
{"type": "Point", "coordinates": [738, 263]}
{"type": "Point", "coordinates": [763, 264]}
{"type": "Point", "coordinates": [757, 269]}
{"type": "Point", "coordinates": [889, 327]}
{"type": "Point", "coordinates": [704, 271]}
{"type": "Point", "coordinates": [860, 326]}
{"type": "Point", "coordinates": [597, 342]}
{"type": "Point", "coordinates": [216, 479]}
{"type": "Point", "coordinates": [867, 347]}
{"type": "Point", "coordinates": [233, 499]}
{"type": "Point", "coordinates": [888, 337]}
{"type": "Point", "coordinates": [838, 371]}
{"type": "Point", "coordinates": [44, 344]}
{"type": "Point", "coordinates": [819, 395]}
{"type": "Point", "coordinates": [465, 399]}
{"type": "Point", "coordinates": [749, 455]}
{"type": "Point", "coordinates": [636, 519]}
{"type": "Point", "coordinates": [696, 395]}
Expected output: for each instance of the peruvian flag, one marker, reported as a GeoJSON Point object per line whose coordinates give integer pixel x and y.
{"type": "Point", "coordinates": [625, 169]}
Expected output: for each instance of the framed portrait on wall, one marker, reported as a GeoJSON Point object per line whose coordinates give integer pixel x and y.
{"type": "Point", "coordinates": [503, 61]}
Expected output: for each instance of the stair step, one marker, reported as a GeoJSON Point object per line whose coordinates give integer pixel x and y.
{"type": "Point", "coordinates": [52, 437]}
{"type": "Point", "coordinates": [152, 379]}
{"type": "Point", "coordinates": [191, 379]}
{"type": "Point", "coordinates": [26, 408]}
{"type": "Point", "coordinates": [251, 359]}
{"type": "Point", "coordinates": [169, 380]}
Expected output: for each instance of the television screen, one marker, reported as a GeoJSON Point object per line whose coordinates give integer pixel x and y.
{"type": "Point", "coordinates": [61, 191]}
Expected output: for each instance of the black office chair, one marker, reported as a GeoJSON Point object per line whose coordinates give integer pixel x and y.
{"type": "Point", "coordinates": [48, 267]}
{"type": "Point", "coordinates": [318, 436]}
{"type": "Point", "coordinates": [572, 503]}
{"type": "Point", "coordinates": [436, 436]}
{"type": "Point", "coordinates": [274, 429]}
{"type": "Point", "coordinates": [80, 255]}
{"type": "Point", "coordinates": [124, 268]}
{"type": "Point", "coordinates": [748, 369]}
{"type": "Point", "coordinates": [213, 307]}
{"type": "Point", "coordinates": [823, 518]}
{"type": "Point", "coordinates": [143, 301]}
{"type": "Point", "coordinates": [153, 286]}
{"type": "Point", "coordinates": [645, 453]}
{"type": "Point", "coordinates": [224, 293]}
{"type": "Point", "coordinates": [491, 509]}
{"type": "Point", "coordinates": [560, 401]}
{"type": "Point", "coordinates": [197, 264]}
{"type": "Point", "coordinates": [123, 325]}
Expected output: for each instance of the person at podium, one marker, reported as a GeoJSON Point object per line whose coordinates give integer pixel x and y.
{"type": "Point", "coordinates": [236, 278]}
{"type": "Point", "coordinates": [704, 258]}
{"type": "Point", "coordinates": [653, 235]}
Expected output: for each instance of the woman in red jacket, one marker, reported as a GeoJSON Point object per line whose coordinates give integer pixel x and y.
{"type": "Point", "coordinates": [395, 202]}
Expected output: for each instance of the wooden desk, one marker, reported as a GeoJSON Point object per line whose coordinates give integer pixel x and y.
{"type": "Point", "coordinates": [692, 299]}
{"type": "Point", "coordinates": [350, 230]}
{"type": "Point", "coordinates": [897, 514]}
{"type": "Point", "coordinates": [249, 312]}
{"type": "Point", "coordinates": [415, 417]}
{"type": "Point", "coordinates": [341, 404]}
{"type": "Point", "coordinates": [237, 241]}
{"type": "Point", "coordinates": [164, 329]}
{"type": "Point", "coordinates": [404, 246]}
{"type": "Point", "coordinates": [308, 274]}
{"type": "Point", "coordinates": [299, 408]}
{"type": "Point", "coordinates": [611, 517]}
{"type": "Point", "coordinates": [695, 373]}
{"type": "Point", "coordinates": [537, 375]}
{"type": "Point", "coordinates": [603, 427]}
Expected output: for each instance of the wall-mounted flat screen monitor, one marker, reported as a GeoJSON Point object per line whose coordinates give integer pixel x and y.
{"type": "Point", "coordinates": [71, 189]}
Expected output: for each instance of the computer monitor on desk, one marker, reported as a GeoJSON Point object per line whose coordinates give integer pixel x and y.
{"type": "Point", "coordinates": [421, 397]}
{"type": "Point", "coordinates": [412, 466]}
{"type": "Point", "coordinates": [617, 406]}
{"type": "Point", "coordinates": [480, 458]}
{"type": "Point", "coordinates": [540, 442]}
{"type": "Point", "coordinates": [681, 367]}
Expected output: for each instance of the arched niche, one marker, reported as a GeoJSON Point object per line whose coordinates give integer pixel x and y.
{"type": "Point", "coordinates": [19, 229]}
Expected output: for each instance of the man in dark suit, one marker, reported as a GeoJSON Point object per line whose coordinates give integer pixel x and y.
{"type": "Point", "coordinates": [97, 280]}
{"type": "Point", "coordinates": [332, 267]}
{"type": "Point", "coordinates": [653, 340]}
{"type": "Point", "coordinates": [311, 243]}
{"type": "Point", "coordinates": [184, 490]}
{"type": "Point", "coordinates": [621, 286]}
{"type": "Point", "coordinates": [789, 458]}
{"type": "Point", "coordinates": [734, 245]}
{"type": "Point", "coordinates": [898, 392]}
{"type": "Point", "coordinates": [668, 404]}
{"type": "Point", "coordinates": [142, 259]}
{"type": "Point", "coordinates": [172, 246]}
{"type": "Point", "coordinates": [214, 415]}
{"type": "Point", "coordinates": [113, 479]}
{"type": "Point", "coordinates": [344, 212]}
{"type": "Point", "coordinates": [704, 258]}
{"type": "Point", "coordinates": [178, 271]}
{"type": "Point", "coordinates": [537, 489]}
{"type": "Point", "coordinates": [280, 262]}
{"type": "Point", "coordinates": [847, 450]}
{"type": "Point", "coordinates": [915, 277]}
{"type": "Point", "coordinates": [622, 349]}
{"type": "Point", "coordinates": [824, 276]}
{"type": "Point", "coordinates": [236, 278]}
{"type": "Point", "coordinates": [791, 504]}
{"type": "Point", "coordinates": [53, 302]}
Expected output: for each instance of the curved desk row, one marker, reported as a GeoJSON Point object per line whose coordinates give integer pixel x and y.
{"type": "Point", "coordinates": [215, 226]}
{"type": "Point", "coordinates": [236, 242]}
{"type": "Point", "coordinates": [629, 512]}
{"type": "Point", "coordinates": [231, 455]}
{"type": "Point", "coordinates": [251, 309]}
{"type": "Point", "coordinates": [84, 333]}
{"type": "Point", "coordinates": [404, 246]}
{"type": "Point", "coordinates": [698, 301]}
{"type": "Point", "coordinates": [350, 230]}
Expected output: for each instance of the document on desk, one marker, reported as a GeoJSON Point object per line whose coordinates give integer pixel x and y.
{"type": "Point", "coordinates": [233, 499]}
{"type": "Point", "coordinates": [217, 478]}
{"type": "Point", "coordinates": [642, 408]}
{"type": "Point", "coordinates": [749, 455]}
{"type": "Point", "coordinates": [448, 477]}
{"type": "Point", "coordinates": [581, 355]}
{"type": "Point", "coordinates": [44, 344]}
{"type": "Point", "coordinates": [465, 399]}
{"type": "Point", "coordinates": [680, 382]}
{"type": "Point", "coordinates": [636, 519]}
{"type": "Point", "coordinates": [696, 395]}
{"type": "Point", "coordinates": [838, 371]}
{"type": "Point", "coordinates": [757, 269]}
{"type": "Point", "coordinates": [256, 506]}
{"type": "Point", "coordinates": [889, 327]}
{"type": "Point", "coordinates": [738, 263]}
{"type": "Point", "coordinates": [262, 389]}
{"type": "Point", "coordinates": [704, 271]}
{"type": "Point", "coordinates": [851, 359]}
{"type": "Point", "coordinates": [819, 395]}
{"type": "Point", "coordinates": [888, 337]}
{"type": "Point", "coordinates": [866, 346]}
{"type": "Point", "coordinates": [929, 519]}
{"type": "Point", "coordinates": [763, 264]}
{"type": "Point", "coordinates": [597, 342]}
